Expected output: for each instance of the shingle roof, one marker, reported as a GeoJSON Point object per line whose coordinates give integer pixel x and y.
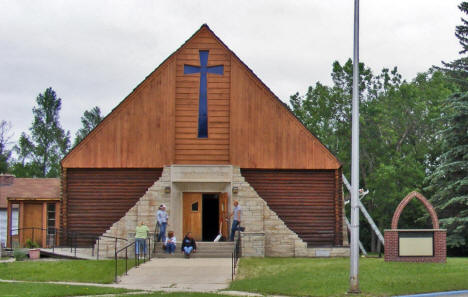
{"type": "Point", "coordinates": [34, 188]}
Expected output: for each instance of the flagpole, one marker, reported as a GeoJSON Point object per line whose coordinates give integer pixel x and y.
{"type": "Point", "coordinates": [354, 257]}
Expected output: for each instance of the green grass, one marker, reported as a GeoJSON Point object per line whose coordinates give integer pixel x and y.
{"type": "Point", "coordinates": [329, 277]}
{"type": "Point", "coordinates": [85, 271]}
{"type": "Point", "coordinates": [52, 290]}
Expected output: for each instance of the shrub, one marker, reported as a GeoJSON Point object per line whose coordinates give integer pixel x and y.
{"type": "Point", "coordinates": [31, 244]}
{"type": "Point", "coordinates": [19, 254]}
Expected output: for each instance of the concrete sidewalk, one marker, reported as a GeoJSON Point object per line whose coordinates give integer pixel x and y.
{"type": "Point", "coordinates": [176, 274]}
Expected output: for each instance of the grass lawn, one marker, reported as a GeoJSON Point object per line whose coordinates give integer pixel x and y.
{"type": "Point", "coordinates": [87, 271]}
{"type": "Point", "coordinates": [329, 277]}
{"type": "Point", "coordinates": [40, 290]}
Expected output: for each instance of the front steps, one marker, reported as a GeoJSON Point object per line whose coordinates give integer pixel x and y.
{"type": "Point", "coordinates": [205, 249]}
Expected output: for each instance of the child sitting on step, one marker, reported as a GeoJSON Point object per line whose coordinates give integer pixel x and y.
{"type": "Point", "coordinates": [170, 242]}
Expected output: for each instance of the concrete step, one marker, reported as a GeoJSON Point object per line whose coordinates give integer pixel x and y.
{"type": "Point", "coordinates": [204, 250]}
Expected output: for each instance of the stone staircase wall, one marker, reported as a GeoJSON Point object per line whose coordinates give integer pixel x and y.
{"type": "Point", "coordinates": [144, 210]}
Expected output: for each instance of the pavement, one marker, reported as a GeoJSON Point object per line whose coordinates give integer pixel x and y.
{"type": "Point", "coordinates": [179, 274]}
{"type": "Point", "coordinates": [463, 293]}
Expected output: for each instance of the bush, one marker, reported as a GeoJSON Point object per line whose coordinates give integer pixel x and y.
{"type": "Point", "coordinates": [19, 254]}
{"type": "Point", "coordinates": [31, 244]}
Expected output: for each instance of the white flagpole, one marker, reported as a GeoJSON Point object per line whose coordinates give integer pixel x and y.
{"type": "Point", "coordinates": [354, 260]}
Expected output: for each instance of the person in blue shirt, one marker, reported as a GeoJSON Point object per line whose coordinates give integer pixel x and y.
{"type": "Point", "coordinates": [161, 220]}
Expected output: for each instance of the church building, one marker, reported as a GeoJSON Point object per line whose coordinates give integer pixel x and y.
{"type": "Point", "coordinates": [201, 131]}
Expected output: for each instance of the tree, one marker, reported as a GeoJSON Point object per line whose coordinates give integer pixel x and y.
{"type": "Point", "coordinates": [89, 120]}
{"type": "Point", "coordinates": [458, 69]}
{"type": "Point", "coordinates": [398, 143]}
{"type": "Point", "coordinates": [40, 153]}
{"type": "Point", "coordinates": [5, 153]}
{"type": "Point", "coordinates": [449, 182]}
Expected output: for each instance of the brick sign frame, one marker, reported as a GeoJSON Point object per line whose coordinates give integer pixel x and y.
{"type": "Point", "coordinates": [392, 235]}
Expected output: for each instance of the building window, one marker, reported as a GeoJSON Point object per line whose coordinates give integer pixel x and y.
{"type": "Point", "coordinates": [50, 218]}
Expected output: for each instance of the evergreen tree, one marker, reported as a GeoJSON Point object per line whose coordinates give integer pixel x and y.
{"type": "Point", "coordinates": [39, 155]}
{"type": "Point", "coordinates": [89, 120]}
{"type": "Point", "coordinates": [449, 182]}
{"type": "Point", "coordinates": [5, 153]}
{"type": "Point", "coordinates": [458, 69]}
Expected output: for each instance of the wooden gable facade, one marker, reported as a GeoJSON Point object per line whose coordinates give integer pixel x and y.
{"type": "Point", "coordinates": [248, 126]}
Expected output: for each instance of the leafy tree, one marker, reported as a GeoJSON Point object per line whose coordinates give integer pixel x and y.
{"type": "Point", "coordinates": [5, 153]}
{"type": "Point", "coordinates": [458, 69]}
{"type": "Point", "coordinates": [449, 182]}
{"type": "Point", "coordinates": [398, 143]}
{"type": "Point", "coordinates": [40, 153]}
{"type": "Point", "coordinates": [89, 120]}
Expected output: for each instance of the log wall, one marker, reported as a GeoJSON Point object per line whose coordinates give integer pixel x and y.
{"type": "Point", "coordinates": [96, 198]}
{"type": "Point", "coordinates": [304, 199]}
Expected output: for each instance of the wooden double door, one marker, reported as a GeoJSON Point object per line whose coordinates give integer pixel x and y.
{"type": "Point", "coordinates": [204, 214]}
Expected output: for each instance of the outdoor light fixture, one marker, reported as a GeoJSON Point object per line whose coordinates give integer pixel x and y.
{"type": "Point", "coordinates": [167, 190]}
{"type": "Point", "coordinates": [235, 190]}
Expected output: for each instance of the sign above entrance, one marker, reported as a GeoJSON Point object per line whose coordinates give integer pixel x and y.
{"type": "Point", "coordinates": [201, 173]}
{"type": "Point", "coordinates": [203, 69]}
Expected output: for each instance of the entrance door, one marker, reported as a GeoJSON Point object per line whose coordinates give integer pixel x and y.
{"type": "Point", "coordinates": [192, 221]}
{"type": "Point", "coordinates": [32, 219]}
{"type": "Point", "coordinates": [223, 214]}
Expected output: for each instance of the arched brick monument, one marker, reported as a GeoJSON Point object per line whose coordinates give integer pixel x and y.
{"type": "Point", "coordinates": [415, 245]}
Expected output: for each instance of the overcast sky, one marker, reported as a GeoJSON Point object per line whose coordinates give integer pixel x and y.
{"type": "Point", "coordinates": [95, 52]}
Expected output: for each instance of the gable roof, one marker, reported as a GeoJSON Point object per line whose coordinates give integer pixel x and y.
{"type": "Point", "coordinates": [29, 188]}
{"type": "Point", "coordinates": [164, 64]}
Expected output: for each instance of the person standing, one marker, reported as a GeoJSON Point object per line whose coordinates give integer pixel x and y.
{"type": "Point", "coordinates": [189, 245]}
{"type": "Point", "coordinates": [236, 214]}
{"type": "Point", "coordinates": [141, 234]}
{"type": "Point", "coordinates": [170, 242]}
{"type": "Point", "coordinates": [161, 218]}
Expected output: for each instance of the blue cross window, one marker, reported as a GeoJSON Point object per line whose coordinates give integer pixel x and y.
{"type": "Point", "coordinates": [203, 69]}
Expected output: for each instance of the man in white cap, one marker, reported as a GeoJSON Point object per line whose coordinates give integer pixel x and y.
{"type": "Point", "coordinates": [161, 217]}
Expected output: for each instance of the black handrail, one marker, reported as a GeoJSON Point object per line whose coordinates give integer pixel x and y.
{"type": "Point", "coordinates": [136, 257]}
{"type": "Point", "coordinates": [69, 237]}
{"type": "Point", "coordinates": [236, 253]}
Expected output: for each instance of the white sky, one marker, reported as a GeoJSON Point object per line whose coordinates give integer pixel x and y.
{"type": "Point", "coordinates": [95, 52]}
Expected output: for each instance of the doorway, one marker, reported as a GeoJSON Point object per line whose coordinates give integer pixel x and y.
{"type": "Point", "coordinates": [204, 215]}
{"type": "Point", "coordinates": [210, 216]}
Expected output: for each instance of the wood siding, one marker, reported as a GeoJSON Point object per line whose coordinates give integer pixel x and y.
{"type": "Point", "coordinates": [138, 133]}
{"type": "Point", "coordinates": [189, 149]}
{"type": "Point", "coordinates": [157, 124]}
{"type": "Point", "coordinates": [96, 198]}
{"type": "Point", "coordinates": [264, 134]}
{"type": "Point", "coordinates": [304, 199]}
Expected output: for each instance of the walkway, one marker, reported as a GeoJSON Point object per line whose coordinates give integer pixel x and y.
{"type": "Point", "coordinates": [176, 274]}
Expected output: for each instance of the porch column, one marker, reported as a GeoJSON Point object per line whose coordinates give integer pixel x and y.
{"type": "Point", "coordinates": [9, 218]}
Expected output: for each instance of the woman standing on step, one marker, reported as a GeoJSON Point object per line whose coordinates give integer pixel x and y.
{"type": "Point", "coordinates": [170, 242]}
{"type": "Point", "coordinates": [161, 218]}
{"type": "Point", "coordinates": [141, 233]}
{"type": "Point", "coordinates": [188, 245]}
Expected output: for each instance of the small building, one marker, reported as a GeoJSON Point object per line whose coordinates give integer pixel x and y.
{"type": "Point", "coordinates": [32, 209]}
{"type": "Point", "coordinates": [201, 131]}
{"type": "Point", "coordinates": [5, 181]}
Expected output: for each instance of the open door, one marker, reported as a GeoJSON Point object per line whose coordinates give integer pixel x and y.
{"type": "Point", "coordinates": [193, 215]}
{"type": "Point", "coordinates": [223, 214]}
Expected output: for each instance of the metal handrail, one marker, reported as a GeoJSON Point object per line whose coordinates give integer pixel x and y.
{"type": "Point", "coordinates": [71, 238]}
{"type": "Point", "coordinates": [236, 253]}
{"type": "Point", "coordinates": [136, 257]}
